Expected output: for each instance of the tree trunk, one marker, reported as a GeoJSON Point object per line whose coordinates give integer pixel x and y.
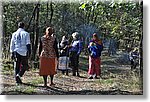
{"type": "Point", "coordinates": [33, 15]}
{"type": "Point", "coordinates": [94, 19]}
{"type": "Point", "coordinates": [36, 32]}
{"type": "Point", "coordinates": [141, 42]}
{"type": "Point", "coordinates": [51, 12]}
{"type": "Point", "coordinates": [32, 34]}
{"type": "Point", "coordinates": [47, 9]}
{"type": "Point", "coordinates": [47, 20]}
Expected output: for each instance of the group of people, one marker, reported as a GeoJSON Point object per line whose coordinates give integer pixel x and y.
{"type": "Point", "coordinates": [20, 48]}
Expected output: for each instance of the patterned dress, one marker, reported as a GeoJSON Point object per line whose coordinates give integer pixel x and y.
{"type": "Point", "coordinates": [48, 62]}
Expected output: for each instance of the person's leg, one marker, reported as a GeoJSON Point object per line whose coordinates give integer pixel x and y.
{"type": "Point", "coordinates": [97, 64]}
{"type": "Point", "coordinates": [135, 64]}
{"type": "Point", "coordinates": [17, 68]}
{"type": "Point", "coordinates": [73, 71]}
{"type": "Point", "coordinates": [63, 72]}
{"type": "Point", "coordinates": [45, 80]}
{"type": "Point", "coordinates": [24, 62]}
{"type": "Point", "coordinates": [51, 79]}
{"type": "Point", "coordinates": [91, 68]}
{"type": "Point", "coordinates": [72, 59]}
{"type": "Point", "coordinates": [66, 71]}
{"type": "Point", "coordinates": [77, 65]}
{"type": "Point", "coordinates": [67, 61]}
{"type": "Point", "coordinates": [132, 64]}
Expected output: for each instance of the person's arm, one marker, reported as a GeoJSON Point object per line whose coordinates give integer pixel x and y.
{"type": "Point", "coordinates": [80, 48]}
{"type": "Point", "coordinates": [61, 45]}
{"type": "Point", "coordinates": [28, 45]}
{"type": "Point", "coordinates": [12, 47]}
{"type": "Point", "coordinates": [29, 49]}
{"type": "Point", "coordinates": [130, 56]}
{"type": "Point", "coordinates": [56, 48]}
{"type": "Point", "coordinates": [89, 49]}
{"type": "Point", "coordinates": [12, 44]}
{"type": "Point", "coordinates": [40, 47]}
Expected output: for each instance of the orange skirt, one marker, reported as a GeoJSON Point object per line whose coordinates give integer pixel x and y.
{"type": "Point", "coordinates": [47, 66]}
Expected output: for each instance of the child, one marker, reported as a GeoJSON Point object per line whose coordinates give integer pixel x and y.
{"type": "Point", "coordinates": [134, 58]}
{"type": "Point", "coordinates": [93, 50]}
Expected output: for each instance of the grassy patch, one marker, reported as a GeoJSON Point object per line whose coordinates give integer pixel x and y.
{"type": "Point", "coordinates": [84, 63]}
{"type": "Point", "coordinates": [25, 89]}
{"type": "Point", "coordinates": [106, 82]}
{"type": "Point", "coordinates": [37, 81]}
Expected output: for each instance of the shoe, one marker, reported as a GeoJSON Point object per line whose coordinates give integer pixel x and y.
{"type": "Point", "coordinates": [52, 84]}
{"type": "Point", "coordinates": [45, 85]}
{"type": "Point", "coordinates": [63, 72]}
{"type": "Point", "coordinates": [78, 74]}
{"type": "Point", "coordinates": [95, 77]}
{"type": "Point", "coordinates": [18, 80]}
{"type": "Point", "coordinates": [90, 77]}
{"type": "Point", "coordinates": [74, 74]}
{"type": "Point", "coordinates": [67, 73]}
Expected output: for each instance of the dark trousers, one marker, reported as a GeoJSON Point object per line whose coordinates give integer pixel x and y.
{"type": "Point", "coordinates": [20, 65]}
{"type": "Point", "coordinates": [133, 64]}
{"type": "Point", "coordinates": [74, 58]}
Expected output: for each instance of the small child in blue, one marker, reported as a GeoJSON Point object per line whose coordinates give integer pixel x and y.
{"type": "Point", "coordinates": [94, 50]}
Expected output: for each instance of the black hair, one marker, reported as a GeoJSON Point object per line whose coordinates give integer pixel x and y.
{"type": "Point", "coordinates": [20, 25]}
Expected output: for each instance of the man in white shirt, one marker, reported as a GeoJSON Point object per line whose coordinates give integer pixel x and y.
{"type": "Point", "coordinates": [20, 48]}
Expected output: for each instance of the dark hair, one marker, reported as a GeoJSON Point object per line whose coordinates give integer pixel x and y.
{"type": "Point", "coordinates": [96, 36]}
{"type": "Point", "coordinates": [20, 25]}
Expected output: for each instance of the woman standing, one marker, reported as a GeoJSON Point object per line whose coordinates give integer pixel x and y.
{"type": "Point", "coordinates": [64, 55]}
{"type": "Point", "coordinates": [95, 47]}
{"type": "Point", "coordinates": [75, 51]}
{"type": "Point", "coordinates": [48, 53]}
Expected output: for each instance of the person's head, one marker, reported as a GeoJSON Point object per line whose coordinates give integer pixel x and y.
{"type": "Point", "coordinates": [91, 43]}
{"type": "Point", "coordinates": [75, 35]}
{"type": "Point", "coordinates": [135, 49]}
{"type": "Point", "coordinates": [49, 31]}
{"type": "Point", "coordinates": [64, 38]}
{"type": "Point", "coordinates": [21, 25]}
{"type": "Point", "coordinates": [95, 36]}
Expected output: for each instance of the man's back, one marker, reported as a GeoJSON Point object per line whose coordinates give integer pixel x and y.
{"type": "Point", "coordinates": [19, 40]}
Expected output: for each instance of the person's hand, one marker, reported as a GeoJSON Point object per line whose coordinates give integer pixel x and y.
{"type": "Point", "coordinates": [57, 58]}
{"type": "Point", "coordinates": [28, 54]}
{"type": "Point", "coordinates": [12, 56]}
{"type": "Point", "coordinates": [69, 46]}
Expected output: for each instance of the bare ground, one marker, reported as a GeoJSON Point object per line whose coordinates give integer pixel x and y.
{"type": "Point", "coordinates": [117, 79]}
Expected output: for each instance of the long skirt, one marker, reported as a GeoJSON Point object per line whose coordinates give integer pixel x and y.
{"type": "Point", "coordinates": [63, 63]}
{"type": "Point", "coordinates": [47, 66]}
{"type": "Point", "coordinates": [94, 66]}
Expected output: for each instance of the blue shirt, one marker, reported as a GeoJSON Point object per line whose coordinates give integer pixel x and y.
{"type": "Point", "coordinates": [133, 55]}
{"type": "Point", "coordinates": [76, 46]}
{"type": "Point", "coordinates": [19, 40]}
{"type": "Point", "coordinates": [95, 50]}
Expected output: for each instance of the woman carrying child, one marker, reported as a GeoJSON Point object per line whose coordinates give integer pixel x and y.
{"type": "Point", "coordinates": [95, 48]}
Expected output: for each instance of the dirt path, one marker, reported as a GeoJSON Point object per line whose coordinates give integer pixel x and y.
{"type": "Point", "coordinates": [116, 80]}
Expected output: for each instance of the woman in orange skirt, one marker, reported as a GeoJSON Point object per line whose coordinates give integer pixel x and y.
{"type": "Point", "coordinates": [48, 53]}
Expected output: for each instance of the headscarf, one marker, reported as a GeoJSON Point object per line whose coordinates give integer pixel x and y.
{"type": "Point", "coordinates": [96, 39]}
{"type": "Point", "coordinates": [49, 31]}
{"type": "Point", "coordinates": [75, 35]}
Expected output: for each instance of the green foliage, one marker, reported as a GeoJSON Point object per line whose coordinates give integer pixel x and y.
{"type": "Point", "coordinates": [109, 19]}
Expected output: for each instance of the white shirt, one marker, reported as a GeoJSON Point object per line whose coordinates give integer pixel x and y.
{"type": "Point", "coordinates": [19, 40]}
